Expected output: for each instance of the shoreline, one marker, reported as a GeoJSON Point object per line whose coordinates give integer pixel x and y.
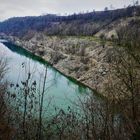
{"type": "Point", "coordinates": [59, 66]}
{"type": "Point", "coordinates": [68, 76]}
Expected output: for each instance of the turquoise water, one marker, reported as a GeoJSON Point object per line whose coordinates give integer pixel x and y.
{"type": "Point", "coordinates": [60, 91]}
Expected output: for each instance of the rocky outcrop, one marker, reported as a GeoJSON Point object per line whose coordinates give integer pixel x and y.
{"type": "Point", "coordinates": [111, 29]}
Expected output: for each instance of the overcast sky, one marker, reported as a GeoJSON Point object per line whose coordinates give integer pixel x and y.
{"type": "Point", "coordinates": [11, 8]}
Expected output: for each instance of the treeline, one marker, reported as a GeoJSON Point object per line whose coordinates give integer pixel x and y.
{"type": "Point", "coordinates": [76, 24]}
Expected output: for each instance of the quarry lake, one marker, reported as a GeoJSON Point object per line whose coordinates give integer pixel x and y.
{"type": "Point", "coordinates": [60, 91]}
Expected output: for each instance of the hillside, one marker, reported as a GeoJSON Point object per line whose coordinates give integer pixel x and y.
{"type": "Point", "coordinates": [76, 24]}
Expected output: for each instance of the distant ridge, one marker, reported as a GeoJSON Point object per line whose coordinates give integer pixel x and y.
{"type": "Point", "coordinates": [76, 24]}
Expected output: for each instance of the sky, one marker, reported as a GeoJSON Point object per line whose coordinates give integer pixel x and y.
{"type": "Point", "coordinates": [14, 8]}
